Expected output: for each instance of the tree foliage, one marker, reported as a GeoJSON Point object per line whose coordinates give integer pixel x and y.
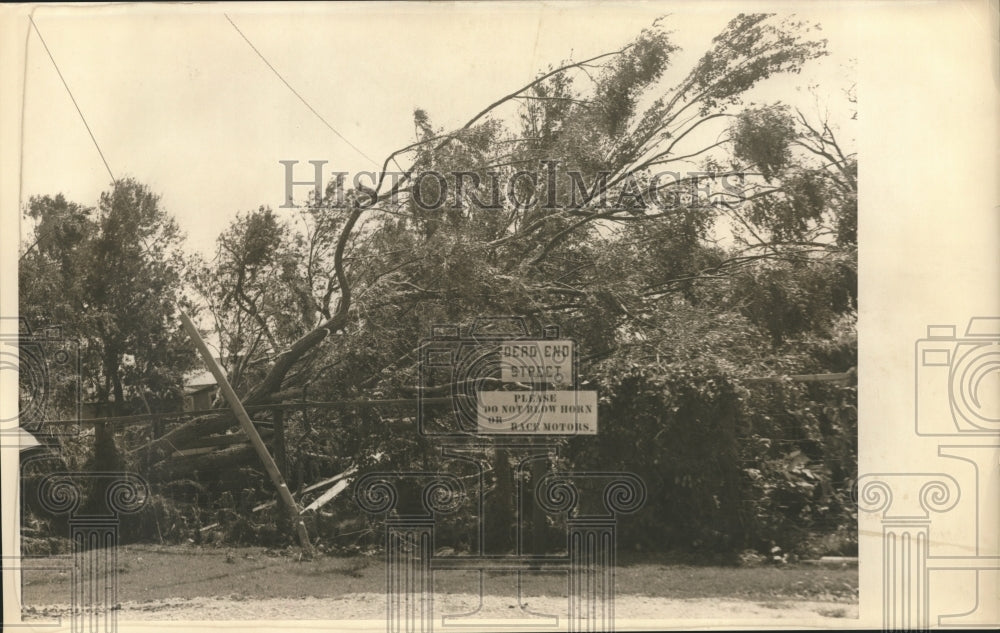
{"type": "Point", "coordinates": [552, 203]}
{"type": "Point", "coordinates": [110, 278]}
{"type": "Point", "coordinates": [547, 204]}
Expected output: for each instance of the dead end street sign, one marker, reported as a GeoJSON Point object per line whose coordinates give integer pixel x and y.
{"type": "Point", "coordinates": [537, 361]}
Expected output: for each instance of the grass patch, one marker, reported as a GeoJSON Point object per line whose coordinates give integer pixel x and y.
{"type": "Point", "coordinates": [833, 613]}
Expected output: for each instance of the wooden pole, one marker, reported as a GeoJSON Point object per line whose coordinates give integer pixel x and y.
{"type": "Point", "coordinates": [539, 519]}
{"type": "Point", "coordinates": [284, 494]}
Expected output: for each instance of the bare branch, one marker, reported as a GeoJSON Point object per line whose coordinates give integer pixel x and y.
{"type": "Point", "coordinates": [284, 362]}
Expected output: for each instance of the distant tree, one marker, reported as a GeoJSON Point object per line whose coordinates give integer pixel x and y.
{"type": "Point", "coordinates": [111, 276]}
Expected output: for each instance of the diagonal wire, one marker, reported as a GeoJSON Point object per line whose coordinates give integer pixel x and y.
{"type": "Point", "coordinates": [73, 99]}
{"type": "Point", "coordinates": [145, 244]}
{"type": "Point", "coordinates": [296, 93]}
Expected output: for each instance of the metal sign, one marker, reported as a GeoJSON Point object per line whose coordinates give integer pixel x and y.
{"type": "Point", "coordinates": [537, 412]}
{"type": "Point", "coordinates": [533, 362]}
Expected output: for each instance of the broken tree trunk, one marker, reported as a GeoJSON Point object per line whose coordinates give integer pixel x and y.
{"type": "Point", "coordinates": [285, 360]}
{"type": "Point", "coordinates": [181, 437]}
{"type": "Point", "coordinates": [269, 388]}
{"type": "Point", "coordinates": [223, 460]}
{"type": "Point", "coordinates": [223, 440]}
{"type": "Point", "coordinates": [284, 494]}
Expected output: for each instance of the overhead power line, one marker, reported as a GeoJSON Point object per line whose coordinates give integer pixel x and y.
{"type": "Point", "coordinates": [73, 99]}
{"type": "Point", "coordinates": [296, 92]}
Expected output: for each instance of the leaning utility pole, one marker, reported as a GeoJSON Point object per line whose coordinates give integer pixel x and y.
{"type": "Point", "coordinates": [248, 427]}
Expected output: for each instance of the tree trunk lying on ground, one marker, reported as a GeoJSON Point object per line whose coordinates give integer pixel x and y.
{"type": "Point", "coordinates": [225, 460]}
{"type": "Point", "coordinates": [188, 435]}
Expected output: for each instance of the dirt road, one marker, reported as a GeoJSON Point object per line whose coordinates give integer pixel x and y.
{"type": "Point", "coordinates": [632, 612]}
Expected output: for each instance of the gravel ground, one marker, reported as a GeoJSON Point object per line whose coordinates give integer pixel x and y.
{"type": "Point", "coordinates": [637, 611]}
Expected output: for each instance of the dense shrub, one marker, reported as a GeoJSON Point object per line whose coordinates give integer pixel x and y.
{"type": "Point", "coordinates": [730, 466]}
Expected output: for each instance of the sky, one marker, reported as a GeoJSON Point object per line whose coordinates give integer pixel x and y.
{"type": "Point", "coordinates": [177, 98]}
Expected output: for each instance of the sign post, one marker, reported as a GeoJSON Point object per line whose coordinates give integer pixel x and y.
{"type": "Point", "coordinates": [524, 391]}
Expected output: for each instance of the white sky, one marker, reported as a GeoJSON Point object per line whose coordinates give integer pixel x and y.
{"type": "Point", "coordinates": [177, 99]}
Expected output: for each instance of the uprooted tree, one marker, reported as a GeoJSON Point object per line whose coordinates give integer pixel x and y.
{"type": "Point", "coordinates": [547, 204]}
{"type": "Point", "coordinates": [670, 228]}
{"type": "Point", "coordinates": [277, 293]}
